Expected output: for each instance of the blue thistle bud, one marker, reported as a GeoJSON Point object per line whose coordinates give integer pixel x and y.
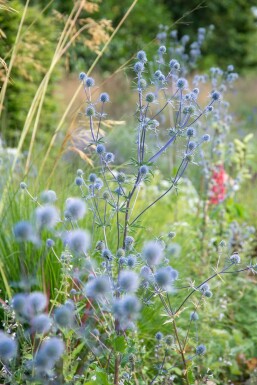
{"type": "Point", "coordinates": [23, 186]}
{"type": "Point", "coordinates": [98, 286]}
{"type": "Point", "coordinates": [235, 259]}
{"type": "Point", "coordinates": [64, 316]}
{"type": "Point", "coordinates": [90, 111]}
{"type": "Point", "coordinates": [75, 208]}
{"type": "Point", "coordinates": [230, 68]}
{"type": "Point", "coordinates": [24, 231]}
{"type": "Point", "coordinates": [157, 74]}
{"type": "Point", "coordinates": [90, 82]}
{"type": "Point", "coordinates": [194, 316]}
{"type": "Point", "coordinates": [48, 196]}
{"type": "Point", "coordinates": [162, 78]}
{"type": "Point", "coordinates": [162, 49]}
{"type": "Point", "coordinates": [129, 242]}
{"type": "Point", "coordinates": [174, 64]}
{"type": "Point", "coordinates": [159, 336]}
{"type": "Point", "coordinates": [46, 216]}
{"type": "Point", "coordinates": [131, 261]}
{"type": "Point", "coordinates": [208, 293]}
{"type": "Point", "coordinates": [92, 178]}
{"type": "Point", "coordinates": [106, 195]}
{"type": "Point", "coordinates": [191, 146]}
{"type": "Point", "coordinates": [37, 302]}
{"type": "Point", "coordinates": [150, 97]}
{"type": "Point", "coordinates": [171, 234]}
{"type": "Point", "coordinates": [141, 56]}
{"type": "Point", "coordinates": [169, 340]}
{"type": "Point", "coordinates": [205, 287]}
{"type": "Point", "coordinates": [152, 253]}
{"type": "Point", "coordinates": [78, 241]}
{"type": "Point", "coordinates": [109, 157]}
{"type": "Point", "coordinates": [52, 348]}
{"type": "Point", "coordinates": [19, 303]}
{"type": "Point", "coordinates": [145, 272]}
{"type": "Point", "coordinates": [216, 95]}
{"type": "Point", "coordinates": [121, 177]}
{"type": "Point", "coordinates": [107, 254]}
{"type": "Point", "coordinates": [142, 84]}
{"type": "Point", "coordinates": [182, 83]}
{"type": "Point", "coordinates": [82, 76]}
{"type": "Point", "coordinates": [104, 97]}
{"type": "Point", "coordinates": [210, 108]}
{"type": "Point", "coordinates": [119, 191]}
{"type": "Point", "coordinates": [100, 149]}
{"type": "Point", "coordinates": [123, 261]}
{"type": "Point", "coordinates": [200, 349]}
{"type": "Point", "coordinates": [49, 243]}
{"type": "Point", "coordinates": [41, 324]}
{"type": "Point", "coordinates": [206, 138]}
{"type": "Point", "coordinates": [222, 243]}
{"type": "Point", "coordinates": [138, 67]}
{"type": "Point", "coordinates": [128, 281]}
{"type": "Point", "coordinates": [79, 181]}
{"type": "Point", "coordinates": [190, 132]}
{"type": "Point", "coordinates": [8, 347]}
{"type": "Point", "coordinates": [80, 172]}
{"type": "Point", "coordinates": [120, 253]}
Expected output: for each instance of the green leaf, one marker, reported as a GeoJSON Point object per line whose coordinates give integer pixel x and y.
{"type": "Point", "coordinates": [119, 344]}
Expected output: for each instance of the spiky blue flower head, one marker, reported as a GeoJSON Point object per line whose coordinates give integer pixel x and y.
{"type": "Point", "coordinates": [48, 196]}
{"type": "Point", "coordinates": [37, 302]}
{"type": "Point", "coordinates": [230, 68]}
{"type": "Point", "coordinates": [79, 181]}
{"type": "Point", "coordinates": [190, 132]}
{"type": "Point", "coordinates": [235, 259]}
{"type": "Point", "coordinates": [162, 49]}
{"type": "Point", "coordinates": [92, 178]}
{"type": "Point", "coordinates": [146, 272]}
{"type": "Point", "coordinates": [107, 254]}
{"type": "Point", "coordinates": [106, 195]}
{"type": "Point", "coordinates": [204, 287]}
{"type": "Point", "coordinates": [208, 293]}
{"type": "Point", "coordinates": [143, 170]}
{"type": "Point", "coordinates": [49, 243]}
{"type": "Point", "coordinates": [129, 242]}
{"type": "Point", "coordinates": [52, 348]}
{"type": "Point", "coordinates": [150, 97]}
{"type": "Point", "coordinates": [100, 245]}
{"type": "Point", "coordinates": [182, 83]}
{"type": "Point", "coordinates": [104, 97]}
{"type": "Point", "coordinates": [100, 149]}
{"type": "Point", "coordinates": [128, 281]}
{"type": "Point", "coordinates": [173, 273]}
{"type": "Point", "coordinates": [157, 74]}
{"type": "Point", "coordinates": [159, 336]}
{"type": "Point", "coordinates": [194, 316]}
{"type": "Point", "coordinates": [200, 349]}
{"type": "Point", "coordinates": [130, 306]}
{"type": "Point", "coordinates": [23, 186]}
{"type": "Point", "coordinates": [121, 177]}
{"type": "Point", "coordinates": [123, 261]}
{"type": "Point", "coordinates": [24, 231]}
{"type": "Point", "coordinates": [131, 261]}
{"type": "Point", "coordinates": [80, 172]}
{"type": "Point", "coordinates": [171, 234]}
{"type": "Point", "coordinates": [162, 78]}
{"type": "Point", "coordinates": [191, 145]}
{"type": "Point", "coordinates": [82, 76]}
{"type": "Point", "coordinates": [174, 34]}
{"type": "Point", "coordinates": [142, 84]}
{"type": "Point", "coordinates": [141, 56]}
{"type": "Point", "coordinates": [215, 95]}
{"type": "Point", "coordinates": [174, 64]}
{"type": "Point", "coordinates": [75, 208]}
{"type": "Point", "coordinates": [120, 253]}
{"type": "Point", "coordinates": [78, 241]}
{"type": "Point", "coordinates": [90, 82]}
{"type": "Point", "coordinates": [98, 286]}
{"type": "Point", "coordinates": [152, 253]}
{"type": "Point", "coordinates": [164, 278]}
{"type": "Point", "coordinates": [138, 67]}
{"type": "Point", "coordinates": [64, 316]}
{"type": "Point", "coordinates": [8, 347]}
{"type": "Point", "coordinates": [119, 191]}
{"type": "Point", "coordinates": [109, 157]}
{"type": "Point", "coordinates": [19, 303]}
{"type": "Point", "coordinates": [46, 216]}
{"type": "Point", "coordinates": [206, 138]}
{"type": "Point", "coordinates": [169, 340]}
{"type": "Point", "coordinates": [41, 324]}
{"type": "Point", "coordinates": [90, 111]}
{"type": "Point", "coordinates": [98, 184]}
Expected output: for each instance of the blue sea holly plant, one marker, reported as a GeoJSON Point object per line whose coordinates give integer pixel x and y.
{"type": "Point", "coordinates": [88, 332]}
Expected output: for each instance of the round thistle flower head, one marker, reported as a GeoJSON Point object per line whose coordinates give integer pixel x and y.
{"type": "Point", "coordinates": [162, 78]}
{"type": "Point", "coordinates": [129, 242]}
{"type": "Point", "coordinates": [53, 348]}
{"type": "Point", "coordinates": [100, 245]}
{"type": "Point", "coordinates": [206, 138]}
{"type": "Point", "coordinates": [98, 286]}
{"type": "Point", "coordinates": [79, 181]}
{"type": "Point", "coordinates": [190, 132]}
{"type": "Point", "coordinates": [37, 302]}
{"type": "Point", "coordinates": [208, 293]}
{"type": "Point", "coordinates": [106, 195]}
{"type": "Point", "coordinates": [82, 76]}
{"type": "Point", "coordinates": [174, 64]}
{"type": "Point", "coordinates": [173, 273]}
{"type": "Point", "coordinates": [157, 74]}
{"type": "Point", "coordinates": [46, 216]}
{"type": "Point", "coordinates": [230, 68]}
{"type": "Point", "coordinates": [24, 231]}
{"type": "Point", "coordinates": [49, 243]}
{"type": "Point", "coordinates": [90, 82]}
{"type": "Point", "coordinates": [78, 241]}
{"type": "Point", "coordinates": [205, 287]}
{"type": "Point", "coordinates": [75, 208]}
{"type": "Point", "coordinates": [121, 177]}
{"type": "Point", "coordinates": [64, 316]}
{"type": "Point", "coordinates": [191, 145]}
{"type": "Point", "coordinates": [80, 172]}
{"type": "Point", "coordinates": [123, 261]}
{"type": "Point", "coordinates": [128, 281]}
{"type": "Point", "coordinates": [41, 324]}
{"type": "Point", "coordinates": [194, 316]}
{"type": "Point", "coordinates": [120, 253]}
{"type": "Point", "coordinates": [222, 243]}
{"type": "Point", "coordinates": [130, 306]}
{"type": "Point", "coordinates": [142, 84]}
{"type": "Point", "coordinates": [107, 254]}
{"type": "Point", "coordinates": [159, 336]}
{"type": "Point", "coordinates": [100, 149]}
{"type": "Point", "coordinates": [138, 67]}
{"type": "Point", "coordinates": [200, 349]}
{"type": "Point", "coordinates": [235, 259]}
{"type": "Point", "coordinates": [8, 347]}
{"type": "Point", "coordinates": [150, 97]}
{"type": "Point", "coordinates": [119, 191]}
{"type": "Point", "coordinates": [152, 253]}
{"type": "Point", "coordinates": [145, 272]}
{"type": "Point", "coordinates": [109, 157]}
{"type": "Point", "coordinates": [104, 97]}
{"type": "Point", "coordinates": [141, 56]}
{"type": "Point", "coordinates": [92, 178]}
{"type": "Point", "coordinates": [19, 303]}
{"type": "Point", "coordinates": [215, 95]}
{"type": "Point", "coordinates": [23, 186]}
{"type": "Point", "coordinates": [90, 111]}
{"type": "Point", "coordinates": [182, 83]}
{"type": "Point", "coordinates": [210, 108]}
{"type": "Point", "coordinates": [162, 49]}
{"type": "Point", "coordinates": [169, 340]}
{"type": "Point", "coordinates": [131, 262]}
{"type": "Point", "coordinates": [48, 196]}
{"type": "Point", "coordinates": [171, 234]}
{"type": "Point", "coordinates": [164, 277]}
{"type": "Point", "coordinates": [98, 184]}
